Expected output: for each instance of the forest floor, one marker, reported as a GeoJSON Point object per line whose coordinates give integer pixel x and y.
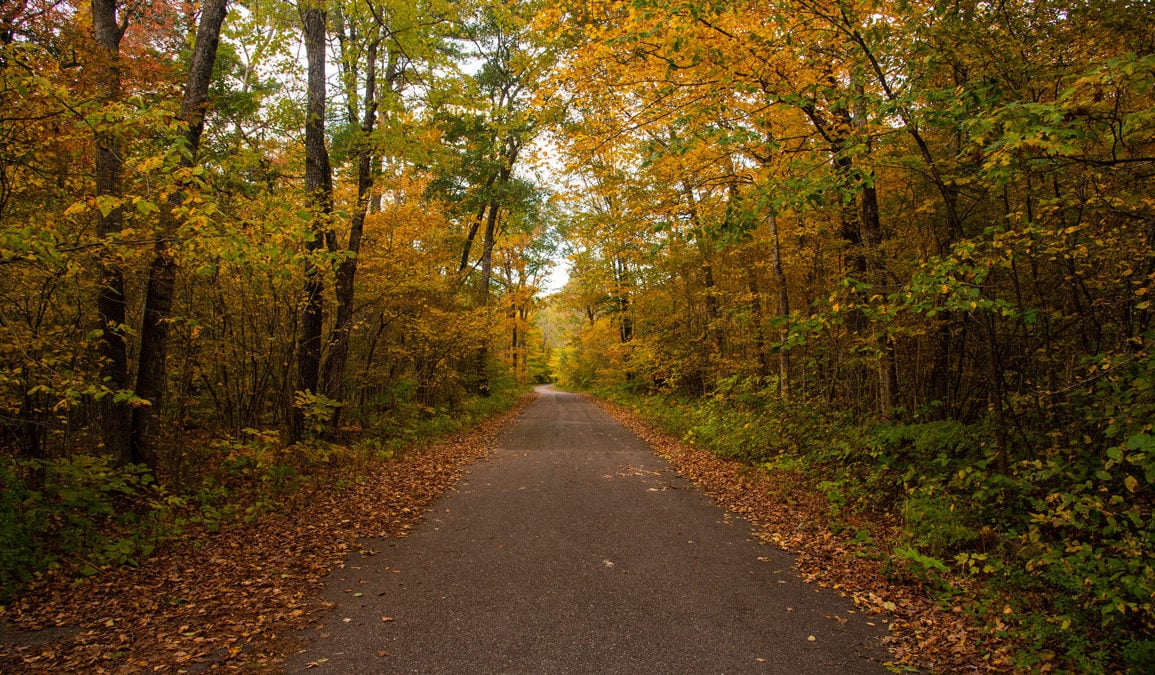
{"type": "Point", "coordinates": [246, 597]}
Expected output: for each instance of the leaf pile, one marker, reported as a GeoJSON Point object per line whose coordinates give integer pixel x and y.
{"type": "Point", "coordinates": [234, 599]}
{"type": "Point", "coordinates": [787, 512]}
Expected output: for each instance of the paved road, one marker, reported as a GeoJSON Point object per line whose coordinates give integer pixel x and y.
{"type": "Point", "coordinates": [576, 550]}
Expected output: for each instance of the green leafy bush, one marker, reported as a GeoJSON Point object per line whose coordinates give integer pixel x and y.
{"type": "Point", "coordinates": [80, 511]}
{"type": "Point", "coordinates": [21, 554]}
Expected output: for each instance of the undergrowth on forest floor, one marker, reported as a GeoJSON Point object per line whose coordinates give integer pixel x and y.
{"type": "Point", "coordinates": [235, 599]}
{"type": "Point", "coordinates": [80, 516]}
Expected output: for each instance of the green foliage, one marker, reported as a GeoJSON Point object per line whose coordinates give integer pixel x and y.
{"type": "Point", "coordinates": [317, 409]}
{"type": "Point", "coordinates": [923, 568]}
{"type": "Point", "coordinates": [20, 554]}
{"type": "Point", "coordinates": [81, 512]}
{"type": "Point", "coordinates": [401, 417]}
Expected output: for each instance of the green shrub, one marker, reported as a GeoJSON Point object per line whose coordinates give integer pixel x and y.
{"type": "Point", "coordinates": [21, 519]}
{"type": "Point", "coordinates": [928, 570]}
{"type": "Point", "coordinates": [81, 511]}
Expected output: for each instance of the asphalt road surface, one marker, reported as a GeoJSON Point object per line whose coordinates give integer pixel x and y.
{"type": "Point", "coordinates": [574, 549]}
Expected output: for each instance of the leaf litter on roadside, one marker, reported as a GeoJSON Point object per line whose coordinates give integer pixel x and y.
{"type": "Point", "coordinates": [785, 512]}
{"type": "Point", "coordinates": [236, 599]}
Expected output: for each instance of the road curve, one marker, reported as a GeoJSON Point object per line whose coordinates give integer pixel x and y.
{"type": "Point", "coordinates": [574, 549]}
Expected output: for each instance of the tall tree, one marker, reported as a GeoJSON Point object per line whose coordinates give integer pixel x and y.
{"type": "Point", "coordinates": [109, 21]}
{"type": "Point", "coordinates": [319, 196]}
{"type": "Point", "coordinates": [152, 371]}
{"type": "Point", "coordinates": [353, 39]}
{"type": "Point", "coordinates": [490, 126]}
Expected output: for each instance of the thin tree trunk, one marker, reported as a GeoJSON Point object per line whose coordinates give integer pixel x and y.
{"type": "Point", "coordinates": [621, 297]}
{"type": "Point", "coordinates": [995, 395]}
{"type": "Point", "coordinates": [512, 314]}
{"type": "Point", "coordinates": [713, 327]}
{"type": "Point", "coordinates": [482, 364]}
{"type": "Point", "coordinates": [872, 240]}
{"type": "Point", "coordinates": [31, 424]}
{"type": "Point", "coordinates": [116, 417]}
{"type": "Point", "coordinates": [523, 343]}
{"type": "Point", "coordinates": [783, 305]}
{"type": "Point", "coordinates": [334, 367]}
{"type": "Point", "coordinates": [152, 370]}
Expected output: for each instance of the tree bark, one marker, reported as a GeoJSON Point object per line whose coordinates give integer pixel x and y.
{"type": "Point", "coordinates": [487, 242]}
{"type": "Point", "coordinates": [319, 195]}
{"type": "Point", "coordinates": [783, 304]}
{"type": "Point", "coordinates": [876, 270]}
{"type": "Point", "coordinates": [475, 227]}
{"type": "Point", "coordinates": [621, 297]}
{"type": "Point", "coordinates": [334, 366]}
{"type": "Point", "coordinates": [713, 327]}
{"type": "Point", "coordinates": [110, 301]}
{"type": "Point", "coordinates": [152, 368]}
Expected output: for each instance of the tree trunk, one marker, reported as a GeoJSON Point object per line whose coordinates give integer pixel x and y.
{"type": "Point", "coordinates": [475, 227]}
{"type": "Point", "coordinates": [116, 417]}
{"type": "Point", "coordinates": [622, 299]}
{"type": "Point", "coordinates": [515, 335]}
{"type": "Point", "coordinates": [487, 252]}
{"type": "Point", "coordinates": [319, 195]}
{"type": "Point", "coordinates": [783, 305]}
{"type": "Point", "coordinates": [152, 370]}
{"type": "Point", "coordinates": [31, 424]}
{"type": "Point", "coordinates": [995, 395]}
{"type": "Point", "coordinates": [876, 270]}
{"type": "Point", "coordinates": [334, 367]}
{"type": "Point", "coordinates": [713, 325]}
{"type": "Point", "coordinates": [523, 342]}
{"type": "Point", "coordinates": [482, 363]}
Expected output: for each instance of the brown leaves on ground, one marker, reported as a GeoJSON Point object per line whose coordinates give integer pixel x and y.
{"type": "Point", "coordinates": [232, 600]}
{"type": "Point", "coordinates": [237, 599]}
{"type": "Point", "coordinates": [787, 512]}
